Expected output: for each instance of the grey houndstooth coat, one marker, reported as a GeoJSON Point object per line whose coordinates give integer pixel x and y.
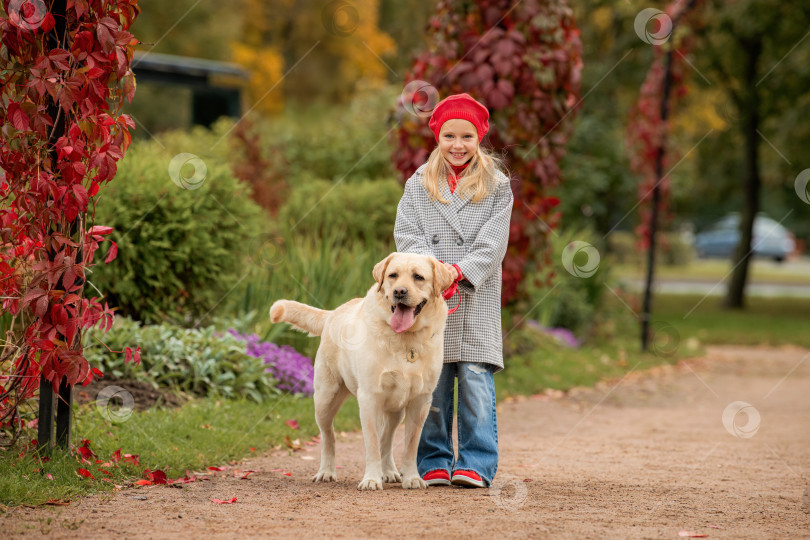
{"type": "Point", "coordinates": [473, 236]}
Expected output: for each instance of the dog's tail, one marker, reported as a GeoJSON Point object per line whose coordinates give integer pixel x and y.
{"type": "Point", "coordinates": [301, 316]}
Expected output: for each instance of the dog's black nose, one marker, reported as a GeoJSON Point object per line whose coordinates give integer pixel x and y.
{"type": "Point", "coordinates": [400, 293]}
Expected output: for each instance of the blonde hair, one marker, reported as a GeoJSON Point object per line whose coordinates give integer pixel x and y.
{"type": "Point", "coordinates": [477, 181]}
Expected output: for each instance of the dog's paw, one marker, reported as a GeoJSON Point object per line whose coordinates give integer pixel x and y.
{"type": "Point", "coordinates": [370, 484]}
{"type": "Point", "coordinates": [414, 482]}
{"type": "Point", "coordinates": [325, 476]}
{"type": "Point", "coordinates": [392, 476]}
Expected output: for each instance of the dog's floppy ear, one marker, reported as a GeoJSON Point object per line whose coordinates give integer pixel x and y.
{"type": "Point", "coordinates": [379, 271]}
{"type": "Point", "coordinates": [442, 277]}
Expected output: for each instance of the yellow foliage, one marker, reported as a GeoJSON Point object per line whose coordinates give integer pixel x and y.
{"type": "Point", "coordinates": [265, 66]}
{"type": "Point", "coordinates": [361, 52]}
{"type": "Point", "coordinates": [703, 109]}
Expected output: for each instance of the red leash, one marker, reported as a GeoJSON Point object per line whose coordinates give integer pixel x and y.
{"type": "Point", "coordinates": [453, 289]}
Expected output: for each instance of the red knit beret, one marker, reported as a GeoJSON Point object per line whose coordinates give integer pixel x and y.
{"type": "Point", "coordinates": [461, 106]}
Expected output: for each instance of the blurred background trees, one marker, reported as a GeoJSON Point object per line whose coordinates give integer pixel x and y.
{"type": "Point", "coordinates": [321, 103]}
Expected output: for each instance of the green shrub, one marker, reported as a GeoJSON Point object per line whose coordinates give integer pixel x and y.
{"type": "Point", "coordinates": [364, 210]}
{"type": "Point", "coordinates": [335, 142]}
{"type": "Point", "coordinates": [570, 302]}
{"type": "Point", "coordinates": [623, 247]}
{"type": "Point", "coordinates": [179, 250]}
{"type": "Point", "coordinates": [198, 360]}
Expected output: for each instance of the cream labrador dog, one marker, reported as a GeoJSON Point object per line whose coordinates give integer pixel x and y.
{"type": "Point", "coordinates": [385, 348]}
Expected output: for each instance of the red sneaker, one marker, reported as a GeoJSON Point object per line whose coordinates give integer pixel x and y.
{"type": "Point", "coordinates": [439, 477]}
{"type": "Point", "coordinates": [467, 479]}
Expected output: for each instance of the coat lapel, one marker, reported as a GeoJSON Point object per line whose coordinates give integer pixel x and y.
{"type": "Point", "coordinates": [450, 211]}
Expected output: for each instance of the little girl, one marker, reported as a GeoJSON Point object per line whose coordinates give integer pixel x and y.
{"type": "Point", "coordinates": [457, 207]}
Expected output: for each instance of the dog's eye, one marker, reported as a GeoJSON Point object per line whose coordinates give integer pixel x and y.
{"type": "Point", "coordinates": [393, 275]}
{"type": "Point", "coordinates": [417, 277]}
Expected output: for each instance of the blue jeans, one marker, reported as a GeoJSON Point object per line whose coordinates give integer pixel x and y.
{"type": "Point", "coordinates": [477, 423]}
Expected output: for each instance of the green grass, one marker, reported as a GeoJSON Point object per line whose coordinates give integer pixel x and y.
{"type": "Point", "coordinates": [765, 321]}
{"type": "Point", "coordinates": [760, 271]}
{"type": "Point", "coordinates": [200, 434]}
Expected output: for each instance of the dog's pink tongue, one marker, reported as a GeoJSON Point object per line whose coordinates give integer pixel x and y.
{"type": "Point", "coordinates": [402, 319]}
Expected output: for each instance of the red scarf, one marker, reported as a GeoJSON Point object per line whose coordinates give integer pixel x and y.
{"type": "Point", "coordinates": [452, 178]}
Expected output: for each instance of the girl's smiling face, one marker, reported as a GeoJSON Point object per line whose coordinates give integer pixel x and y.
{"type": "Point", "coordinates": [458, 141]}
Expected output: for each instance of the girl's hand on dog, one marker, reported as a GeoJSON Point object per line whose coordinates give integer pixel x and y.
{"type": "Point", "coordinates": [452, 270]}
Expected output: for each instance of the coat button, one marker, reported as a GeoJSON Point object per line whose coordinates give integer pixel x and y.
{"type": "Point", "coordinates": [435, 238]}
{"type": "Point", "coordinates": [460, 241]}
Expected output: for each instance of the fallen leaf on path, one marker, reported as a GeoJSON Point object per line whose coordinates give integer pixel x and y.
{"type": "Point", "coordinates": [316, 439]}
{"type": "Point", "coordinates": [242, 475]}
{"type": "Point", "coordinates": [287, 474]}
{"type": "Point", "coordinates": [690, 534]}
{"type": "Point", "coordinates": [252, 449]}
{"type": "Point", "coordinates": [308, 458]}
{"type": "Point", "coordinates": [295, 445]}
{"type": "Point", "coordinates": [293, 423]}
{"type": "Point", "coordinates": [527, 479]}
{"type": "Point", "coordinates": [276, 470]}
{"type": "Point", "coordinates": [218, 501]}
{"type": "Point", "coordinates": [714, 527]}
{"type": "Point", "coordinates": [56, 502]}
{"type": "Point", "coordinates": [217, 468]}
{"type": "Point", "coordinates": [184, 480]}
{"type": "Point", "coordinates": [142, 483]}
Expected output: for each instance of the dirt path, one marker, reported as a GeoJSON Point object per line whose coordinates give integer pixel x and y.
{"type": "Point", "coordinates": [644, 457]}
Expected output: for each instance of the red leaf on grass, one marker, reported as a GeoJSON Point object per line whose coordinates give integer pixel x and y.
{"type": "Point", "coordinates": [293, 423]}
{"type": "Point", "coordinates": [157, 477]}
{"type": "Point", "coordinates": [116, 456]}
{"type": "Point", "coordinates": [85, 473]}
{"type": "Point", "coordinates": [218, 501]}
{"type": "Point", "coordinates": [133, 458]}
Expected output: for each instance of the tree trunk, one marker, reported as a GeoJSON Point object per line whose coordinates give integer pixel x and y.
{"type": "Point", "coordinates": [749, 113]}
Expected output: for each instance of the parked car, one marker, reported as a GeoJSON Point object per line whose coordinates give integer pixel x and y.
{"type": "Point", "coordinates": [770, 238]}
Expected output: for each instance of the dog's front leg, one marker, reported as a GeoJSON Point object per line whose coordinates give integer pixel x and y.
{"type": "Point", "coordinates": [369, 413]}
{"type": "Point", "coordinates": [417, 410]}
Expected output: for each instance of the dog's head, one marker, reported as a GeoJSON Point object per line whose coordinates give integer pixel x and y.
{"type": "Point", "coordinates": [407, 283]}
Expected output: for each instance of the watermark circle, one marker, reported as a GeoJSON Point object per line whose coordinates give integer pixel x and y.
{"type": "Point", "coordinates": [655, 16]}
{"type": "Point", "coordinates": [340, 18]}
{"type": "Point", "coordinates": [509, 493]}
{"type": "Point", "coordinates": [572, 259]}
{"type": "Point", "coordinates": [27, 14]}
{"type": "Point", "coordinates": [105, 403]}
{"type": "Point", "coordinates": [666, 340]}
{"type": "Point", "coordinates": [351, 335]}
{"type": "Point", "coordinates": [179, 171]}
{"type": "Point", "coordinates": [270, 254]}
{"type": "Point", "coordinates": [419, 98]}
{"type": "Point", "coordinates": [802, 185]}
{"type": "Point", "coordinates": [734, 412]}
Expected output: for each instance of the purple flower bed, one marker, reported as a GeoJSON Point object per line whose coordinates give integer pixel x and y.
{"type": "Point", "coordinates": [562, 335]}
{"type": "Point", "coordinates": [292, 370]}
